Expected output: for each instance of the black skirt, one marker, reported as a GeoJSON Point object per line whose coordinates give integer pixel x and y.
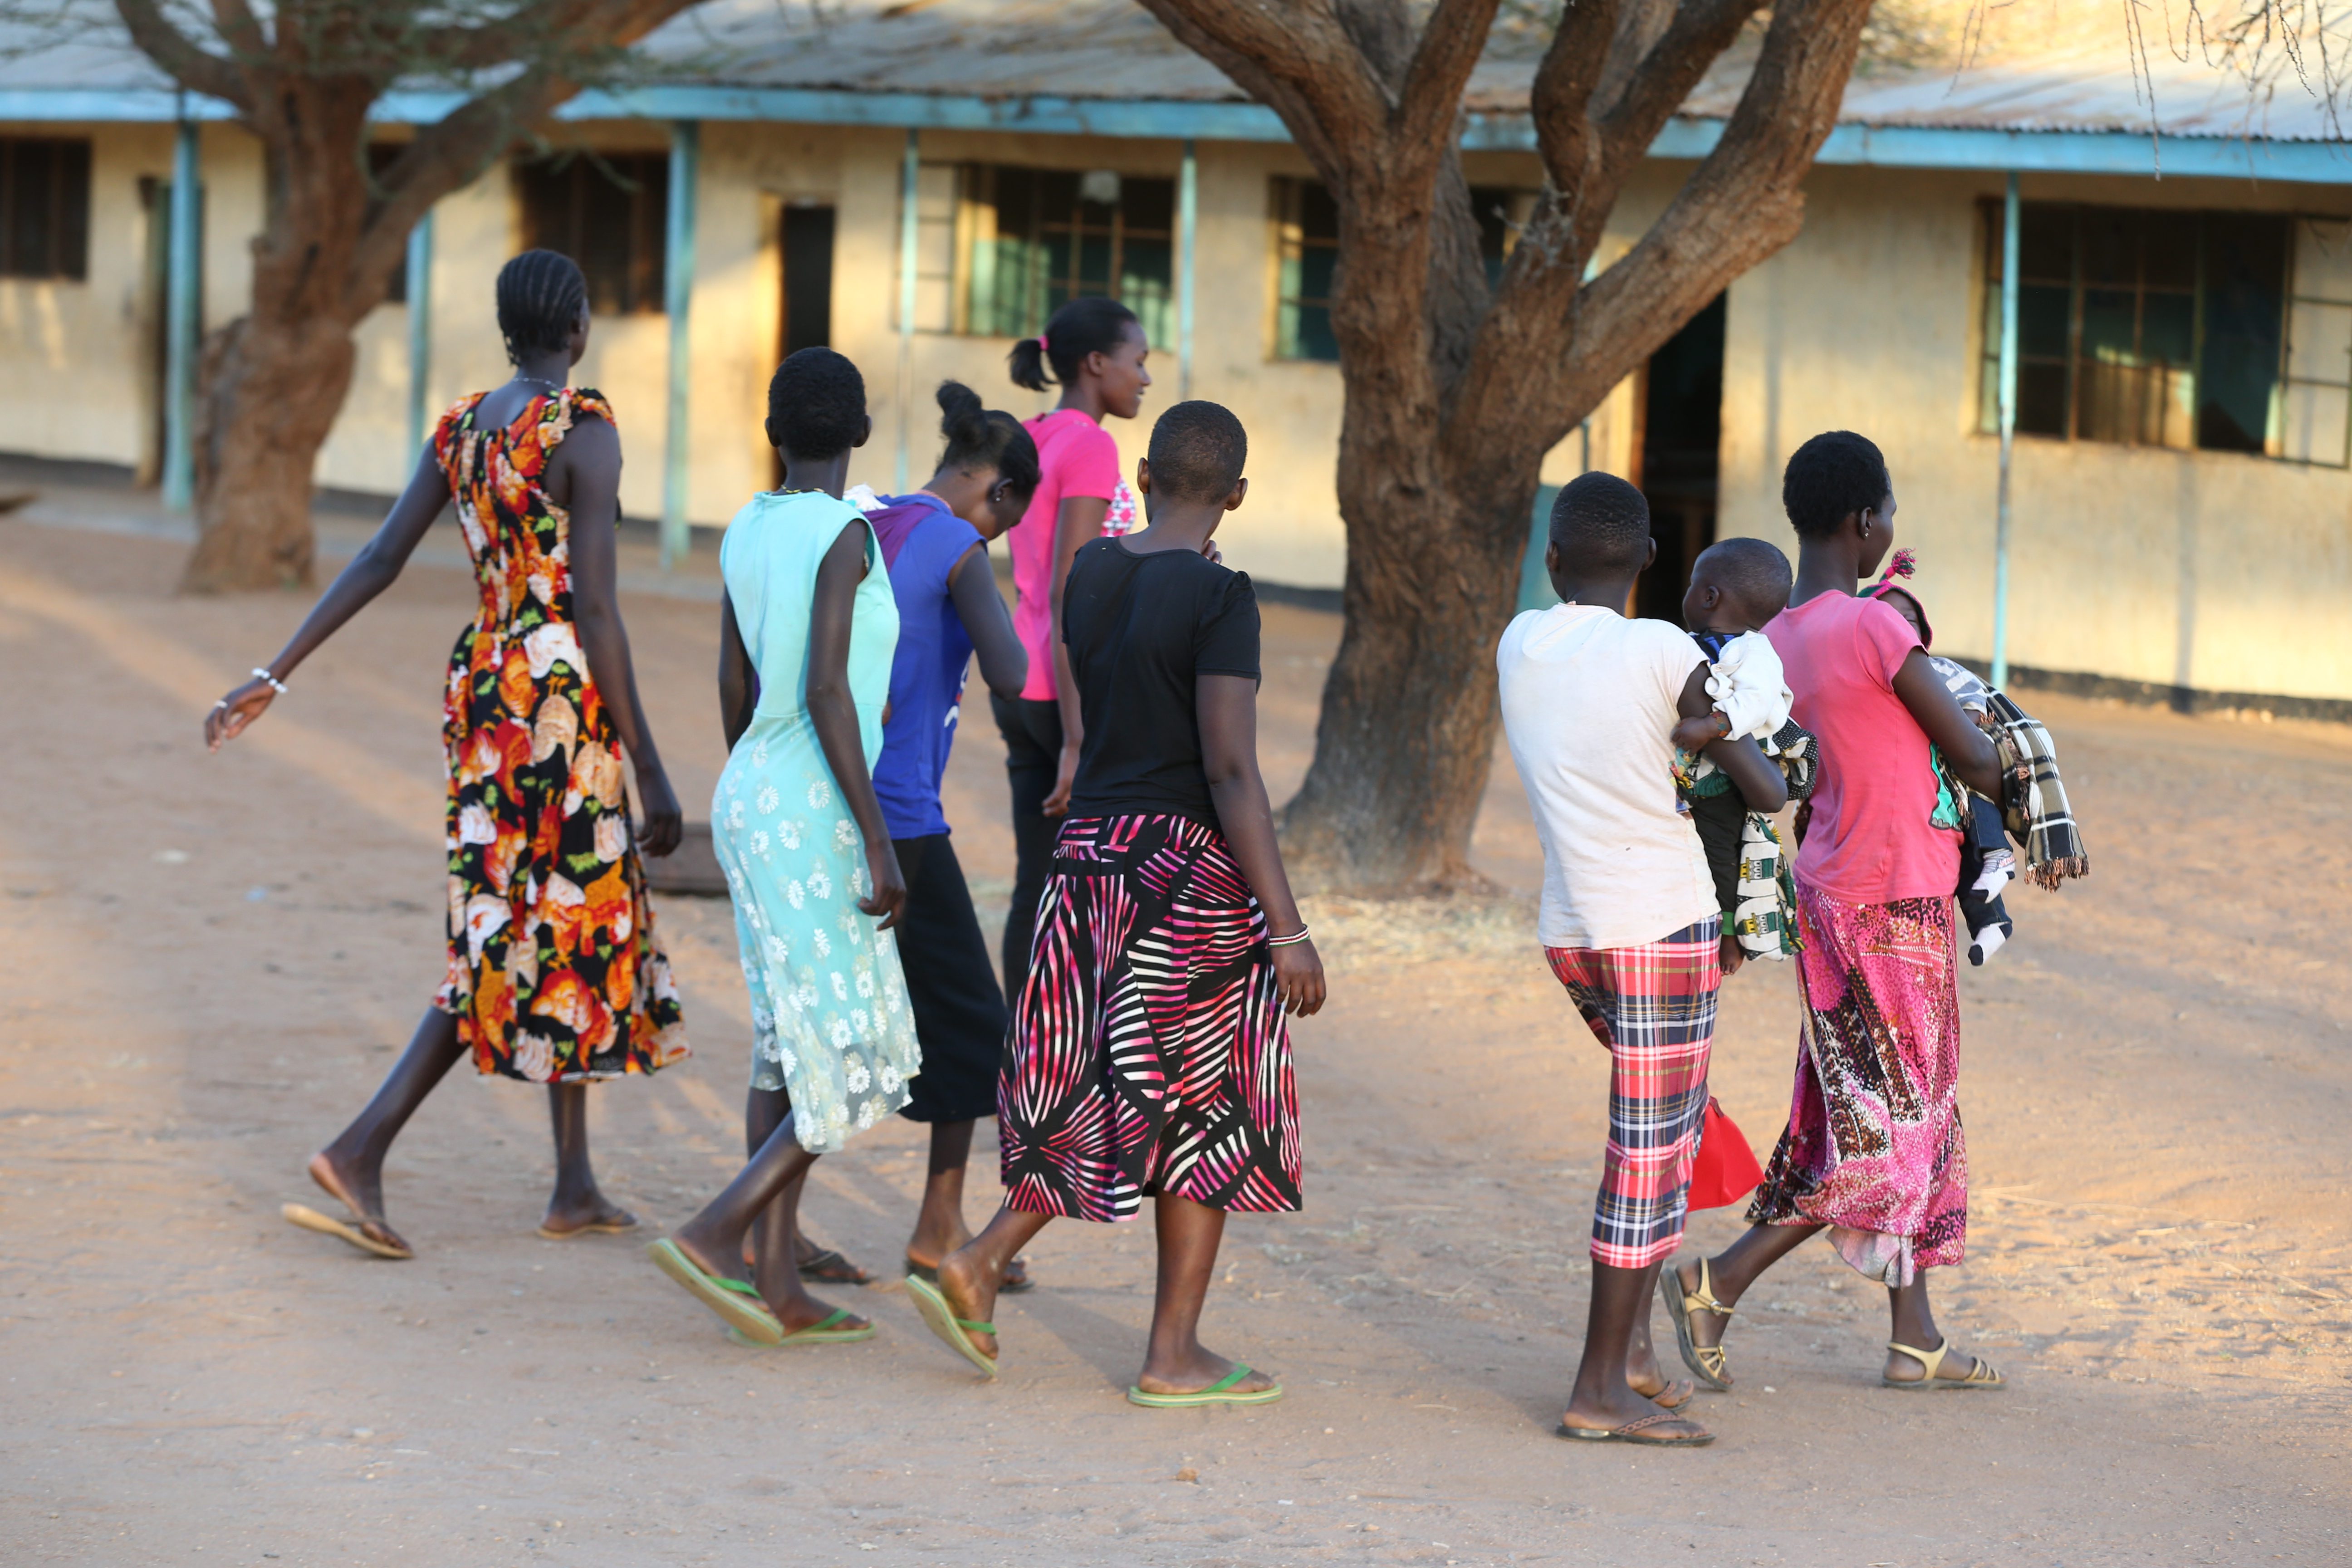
{"type": "Point", "coordinates": [959, 1016]}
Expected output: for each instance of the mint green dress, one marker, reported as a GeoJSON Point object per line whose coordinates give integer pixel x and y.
{"type": "Point", "coordinates": [829, 1016]}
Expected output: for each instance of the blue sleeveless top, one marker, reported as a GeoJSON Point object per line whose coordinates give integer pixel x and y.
{"type": "Point", "coordinates": [922, 541]}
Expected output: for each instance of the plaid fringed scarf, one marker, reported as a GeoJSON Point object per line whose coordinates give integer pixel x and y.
{"type": "Point", "coordinates": [2035, 809]}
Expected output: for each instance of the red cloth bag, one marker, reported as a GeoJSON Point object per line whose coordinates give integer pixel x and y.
{"type": "Point", "coordinates": [1724, 1171]}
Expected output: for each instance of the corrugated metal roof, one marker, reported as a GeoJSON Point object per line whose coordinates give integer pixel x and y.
{"type": "Point", "coordinates": [1113, 51]}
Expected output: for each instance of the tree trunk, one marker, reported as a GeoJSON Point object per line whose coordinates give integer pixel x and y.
{"type": "Point", "coordinates": [268, 396]}
{"type": "Point", "coordinates": [1407, 733]}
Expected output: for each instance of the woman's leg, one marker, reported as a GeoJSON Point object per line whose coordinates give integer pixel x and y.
{"type": "Point", "coordinates": [1914, 1324]}
{"type": "Point", "coordinates": [766, 1192]}
{"type": "Point", "coordinates": [1174, 1361]}
{"type": "Point", "coordinates": [1602, 1396]}
{"type": "Point", "coordinates": [351, 1167]}
{"type": "Point", "coordinates": [1032, 758]}
{"type": "Point", "coordinates": [972, 1275]}
{"type": "Point", "coordinates": [939, 1226]}
{"type": "Point", "coordinates": [576, 1203]}
{"type": "Point", "coordinates": [1734, 1268]}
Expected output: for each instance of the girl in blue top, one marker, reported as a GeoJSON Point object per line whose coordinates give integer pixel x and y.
{"type": "Point", "coordinates": [935, 543]}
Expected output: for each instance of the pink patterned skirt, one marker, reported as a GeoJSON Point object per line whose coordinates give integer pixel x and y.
{"type": "Point", "coordinates": [1873, 1147]}
{"type": "Point", "coordinates": [1147, 1052]}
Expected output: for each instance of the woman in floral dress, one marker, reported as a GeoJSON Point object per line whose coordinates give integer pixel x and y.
{"type": "Point", "coordinates": [807, 628]}
{"type": "Point", "coordinates": [554, 975]}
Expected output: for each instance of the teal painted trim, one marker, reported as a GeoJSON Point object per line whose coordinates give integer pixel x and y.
{"type": "Point", "coordinates": [183, 275]}
{"type": "Point", "coordinates": [1187, 224]}
{"type": "Point", "coordinates": [420, 330]}
{"type": "Point", "coordinates": [2010, 218]}
{"type": "Point", "coordinates": [2124, 152]}
{"type": "Point", "coordinates": [1535, 582]}
{"type": "Point", "coordinates": [909, 185]}
{"type": "Point", "coordinates": [677, 300]}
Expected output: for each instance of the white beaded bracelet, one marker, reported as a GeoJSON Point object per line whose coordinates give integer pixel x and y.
{"type": "Point", "coordinates": [261, 673]}
{"type": "Point", "coordinates": [1298, 936]}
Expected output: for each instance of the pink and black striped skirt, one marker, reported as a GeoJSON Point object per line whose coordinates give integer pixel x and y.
{"type": "Point", "coordinates": [1149, 1052]}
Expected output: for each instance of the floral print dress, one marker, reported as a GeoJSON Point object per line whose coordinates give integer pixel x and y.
{"type": "Point", "coordinates": [830, 1021]}
{"type": "Point", "coordinates": [554, 974]}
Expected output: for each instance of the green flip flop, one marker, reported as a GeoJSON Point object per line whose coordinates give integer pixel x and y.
{"type": "Point", "coordinates": [1221, 1392]}
{"type": "Point", "coordinates": [736, 1301]}
{"type": "Point", "coordinates": [941, 1319]}
{"type": "Point", "coordinates": [821, 1332]}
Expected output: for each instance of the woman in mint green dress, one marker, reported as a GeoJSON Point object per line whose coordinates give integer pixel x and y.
{"type": "Point", "coordinates": [807, 632]}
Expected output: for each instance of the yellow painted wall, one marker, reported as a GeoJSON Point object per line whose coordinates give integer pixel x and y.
{"type": "Point", "coordinates": [2174, 568]}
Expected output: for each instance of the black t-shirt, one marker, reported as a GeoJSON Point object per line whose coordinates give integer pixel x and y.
{"type": "Point", "coordinates": [1139, 628]}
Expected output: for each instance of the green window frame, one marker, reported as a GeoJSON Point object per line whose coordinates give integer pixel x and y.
{"type": "Point", "coordinates": [2142, 327]}
{"type": "Point", "coordinates": [1030, 241]}
{"type": "Point", "coordinates": [1305, 224]}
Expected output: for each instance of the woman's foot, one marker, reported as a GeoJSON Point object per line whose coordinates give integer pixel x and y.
{"type": "Point", "coordinates": [359, 1189]}
{"type": "Point", "coordinates": [1654, 1387]}
{"type": "Point", "coordinates": [1639, 1420]}
{"type": "Point", "coordinates": [800, 1310]}
{"type": "Point", "coordinates": [1201, 1369]}
{"type": "Point", "coordinates": [1016, 1273]}
{"type": "Point", "coordinates": [1917, 1368]}
{"type": "Point", "coordinates": [971, 1290]}
{"type": "Point", "coordinates": [1698, 1325]}
{"type": "Point", "coordinates": [593, 1214]}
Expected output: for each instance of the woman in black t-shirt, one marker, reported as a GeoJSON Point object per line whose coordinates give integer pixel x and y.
{"type": "Point", "coordinates": [1150, 1056]}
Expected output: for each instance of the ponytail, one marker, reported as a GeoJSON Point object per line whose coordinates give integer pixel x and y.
{"type": "Point", "coordinates": [1089, 324]}
{"type": "Point", "coordinates": [980, 437]}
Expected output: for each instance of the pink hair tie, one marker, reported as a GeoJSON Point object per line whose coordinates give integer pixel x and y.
{"type": "Point", "coordinates": [1041, 344]}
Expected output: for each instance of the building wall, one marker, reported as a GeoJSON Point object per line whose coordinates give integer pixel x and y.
{"type": "Point", "coordinates": [2137, 563]}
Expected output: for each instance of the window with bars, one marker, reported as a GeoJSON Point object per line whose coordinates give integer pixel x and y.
{"type": "Point", "coordinates": [44, 208]}
{"type": "Point", "coordinates": [2315, 403]}
{"type": "Point", "coordinates": [1307, 258]}
{"type": "Point", "coordinates": [999, 248]}
{"type": "Point", "coordinates": [609, 212]}
{"type": "Point", "coordinates": [2143, 328]}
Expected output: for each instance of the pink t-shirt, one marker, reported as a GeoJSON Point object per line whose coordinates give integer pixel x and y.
{"type": "Point", "coordinates": [1076, 457]}
{"type": "Point", "coordinates": [1869, 841]}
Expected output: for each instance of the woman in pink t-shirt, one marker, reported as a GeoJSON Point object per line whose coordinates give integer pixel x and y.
{"type": "Point", "coordinates": [1873, 1151]}
{"type": "Point", "coordinates": [1095, 349]}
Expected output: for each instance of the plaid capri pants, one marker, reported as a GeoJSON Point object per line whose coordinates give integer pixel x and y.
{"type": "Point", "coordinates": [1653, 1005]}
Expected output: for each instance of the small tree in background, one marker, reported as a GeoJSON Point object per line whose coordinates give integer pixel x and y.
{"type": "Point", "coordinates": [303, 76]}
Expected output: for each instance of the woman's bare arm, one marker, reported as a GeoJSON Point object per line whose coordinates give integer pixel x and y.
{"type": "Point", "coordinates": [375, 568]}
{"type": "Point", "coordinates": [1004, 662]}
{"type": "Point", "coordinates": [833, 712]}
{"type": "Point", "coordinates": [1226, 708]}
{"type": "Point", "coordinates": [1759, 783]}
{"type": "Point", "coordinates": [584, 477]}
{"type": "Point", "coordinates": [1968, 749]}
{"type": "Point", "coordinates": [1079, 521]}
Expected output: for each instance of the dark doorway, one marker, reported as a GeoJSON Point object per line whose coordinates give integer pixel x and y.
{"type": "Point", "coordinates": [807, 241]}
{"type": "Point", "coordinates": [1682, 430]}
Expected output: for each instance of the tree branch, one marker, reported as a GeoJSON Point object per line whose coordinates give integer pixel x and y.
{"type": "Point", "coordinates": [178, 56]}
{"type": "Point", "coordinates": [1298, 58]}
{"type": "Point", "coordinates": [1429, 99]}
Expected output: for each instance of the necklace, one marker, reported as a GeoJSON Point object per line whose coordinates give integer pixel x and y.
{"type": "Point", "coordinates": [538, 381]}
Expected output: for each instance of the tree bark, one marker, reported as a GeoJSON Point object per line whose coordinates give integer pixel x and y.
{"type": "Point", "coordinates": [303, 77]}
{"type": "Point", "coordinates": [1455, 391]}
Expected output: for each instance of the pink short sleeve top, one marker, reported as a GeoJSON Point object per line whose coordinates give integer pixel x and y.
{"type": "Point", "coordinates": [1076, 457]}
{"type": "Point", "coordinates": [1869, 841]}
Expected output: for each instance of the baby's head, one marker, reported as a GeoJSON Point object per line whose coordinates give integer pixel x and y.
{"type": "Point", "coordinates": [1737, 586]}
{"type": "Point", "coordinates": [1902, 598]}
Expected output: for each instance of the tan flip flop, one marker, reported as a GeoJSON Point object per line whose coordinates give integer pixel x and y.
{"type": "Point", "coordinates": [1638, 1431]}
{"type": "Point", "coordinates": [381, 1243]}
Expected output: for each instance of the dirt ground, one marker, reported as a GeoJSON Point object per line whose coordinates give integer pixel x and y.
{"type": "Point", "coordinates": [212, 960]}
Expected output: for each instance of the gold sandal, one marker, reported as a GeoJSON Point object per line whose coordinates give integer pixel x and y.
{"type": "Point", "coordinates": [1980, 1375]}
{"type": "Point", "coordinates": [1707, 1361]}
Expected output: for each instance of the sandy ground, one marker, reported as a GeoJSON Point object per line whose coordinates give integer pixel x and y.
{"type": "Point", "coordinates": [212, 960]}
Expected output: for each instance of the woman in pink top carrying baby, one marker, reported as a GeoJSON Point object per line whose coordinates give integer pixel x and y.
{"type": "Point", "coordinates": [1873, 1152]}
{"type": "Point", "coordinates": [1094, 351]}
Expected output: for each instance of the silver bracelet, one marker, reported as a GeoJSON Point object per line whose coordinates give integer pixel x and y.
{"type": "Point", "coordinates": [261, 673]}
{"type": "Point", "coordinates": [1294, 937]}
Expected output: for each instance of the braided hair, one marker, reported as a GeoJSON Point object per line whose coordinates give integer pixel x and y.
{"type": "Point", "coordinates": [1089, 324]}
{"type": "Point", "coordinates": [540, 296]}
{"type": "Point", "coordinates": [981, 437]}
